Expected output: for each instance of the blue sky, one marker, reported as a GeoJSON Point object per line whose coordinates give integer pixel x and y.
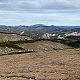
{"type": "Point", "coordinates": [49, 12]}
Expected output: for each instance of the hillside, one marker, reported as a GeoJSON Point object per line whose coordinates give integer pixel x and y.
{"type": "Point", "coordinates": [12, 43]}
{"type": "Point", "coordinates": [12, 37]}
{"type": "Point", "coordinates": [50, 65]}
{"type": "Point", "coordinates": [6, 47]}
{"type": "Point", "coordinates": [43, 46]}
{"type": "Point", "coordinates": [30, 45]}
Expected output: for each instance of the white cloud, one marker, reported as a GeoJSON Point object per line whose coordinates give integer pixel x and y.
{"type": "Point", "coordinates": [39, 5]}
{"type": "Point", "coordinates": [59, 12]}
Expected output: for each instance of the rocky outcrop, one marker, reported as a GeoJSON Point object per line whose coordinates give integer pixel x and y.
{"type": "Point", "coordinates": [6, 50]}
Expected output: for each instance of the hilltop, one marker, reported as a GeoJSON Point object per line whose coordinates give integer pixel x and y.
{"type": "Point", "coordinates": [12, 37]}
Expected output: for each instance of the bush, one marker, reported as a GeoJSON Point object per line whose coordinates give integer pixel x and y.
{"type": "Point", "coordinates": [9, 44]}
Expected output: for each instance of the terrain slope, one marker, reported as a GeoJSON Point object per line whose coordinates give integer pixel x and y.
{"type": "Point", "coordinates": [50, 65]}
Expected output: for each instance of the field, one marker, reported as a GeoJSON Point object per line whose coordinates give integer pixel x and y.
{"type": "Point", "coordinates": [50, 65]}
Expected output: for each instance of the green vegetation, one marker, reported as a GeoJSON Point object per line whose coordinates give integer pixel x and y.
{"type": "Point", "coordinates": [9, 44]}
{"type": "Point", "coordinates": [74, 44]}
{"type": "Point", "coordinates": [12, 44]}
{"type": "Point", "coordinates": [22, 41]}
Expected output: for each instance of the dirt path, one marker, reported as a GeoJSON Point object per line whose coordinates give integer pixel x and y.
{"type": "Point", "coordinates": [55, 65]}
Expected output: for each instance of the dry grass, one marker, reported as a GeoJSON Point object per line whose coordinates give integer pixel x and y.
{"type": "Point", "coordinates": [43, 46]}
{"type": "Point", "coordinates": [52, 65]}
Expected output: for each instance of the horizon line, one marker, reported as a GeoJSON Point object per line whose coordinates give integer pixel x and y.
{"type": "Point", "coordinates": [36, 24]}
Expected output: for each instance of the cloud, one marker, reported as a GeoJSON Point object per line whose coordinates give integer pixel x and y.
{"type": "Point", "coordinates": [40, 6]}
{"type": "Point", "coordinates": [58, 12]}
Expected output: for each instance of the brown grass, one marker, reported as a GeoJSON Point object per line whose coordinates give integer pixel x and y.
{"type": "Point", "coordinates": [43, 46]}
{"type": "Point", "coordinates": [52, 65]}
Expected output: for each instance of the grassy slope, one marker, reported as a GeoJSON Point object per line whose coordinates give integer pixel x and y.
{"type": "Point", "coordinates": [56, 65]}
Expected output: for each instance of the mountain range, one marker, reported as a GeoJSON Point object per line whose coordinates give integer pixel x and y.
{"type": "Point", "coordinates": [40, 27]}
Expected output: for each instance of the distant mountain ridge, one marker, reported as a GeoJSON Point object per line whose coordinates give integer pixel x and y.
{"type": "Point", "coordinates": [39, 27]}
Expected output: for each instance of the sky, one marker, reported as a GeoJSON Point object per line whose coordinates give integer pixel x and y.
{"type": "Point", "coordinates": [49, 12]}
